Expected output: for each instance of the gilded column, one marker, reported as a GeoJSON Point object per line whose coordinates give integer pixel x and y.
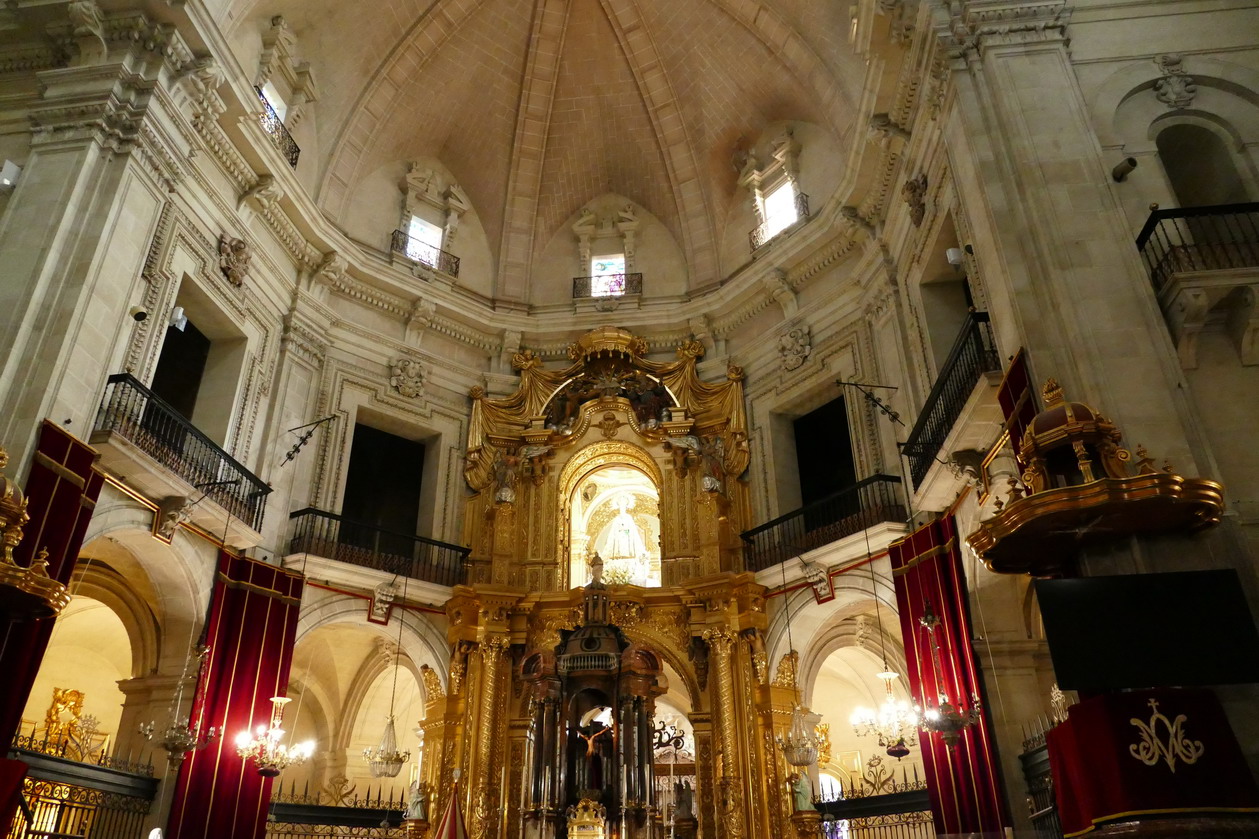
{"type": "Point", "coordinates": [729, 794]}
{"type": "Point", "coordinates": [484, 792]}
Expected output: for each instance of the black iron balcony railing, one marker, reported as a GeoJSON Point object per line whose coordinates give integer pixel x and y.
{"type": "Point", "coordinates": [418, 251]}
{"type": "Point", "coordinates": [280, 136]}
{"type": "Point", "coordinates": [759, 235]}
{"type": "Point", "coordinates": [851, 510]}
{"type": "Point", "coordinates": [139, 415]}
{"type": "Point", "coordinates": [96, 798]}
{"type": "Point", "coordinates": [607, 285]}
{"type": "Point", "coordinates": [1199, 239]}
{"type": "Point", "coordinates": [368, 546]}
{"type": "Point", "coordinates": [974, 353]}
{"type": "Point", "coordinates": [301, 813]}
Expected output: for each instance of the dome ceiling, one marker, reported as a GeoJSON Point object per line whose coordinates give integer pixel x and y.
{"type": "Point", "coordinates": [538, 106]}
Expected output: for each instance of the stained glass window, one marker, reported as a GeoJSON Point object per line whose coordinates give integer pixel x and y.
{"type": "Point", "coordinates": [607, 275]}
{"type": "Point", "coordinates": [780, 209]}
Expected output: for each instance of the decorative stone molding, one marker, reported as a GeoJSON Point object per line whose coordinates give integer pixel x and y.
{"type": "Point", "coordinates": [776, 284]}
{"type": "Point", "coordinates": [794, 347]}
{"type": "Point", "coordinates": [234, 258]}
{"type": "Point", "coordinates": [1175, 89]}
{"type": "Point", "coordinates": [974, 25]}
{"type": "Point", "coordinates": [279, 55]}
{"type": "Point", "coordinates": [172, 512]}
{"type": "Point", "coordinates": [882, 127]}
{"type": "Point", "coordinates": [407, 377]}
{"type": "Point", "coordinates": [915, 194]}
{"type": "Point", "coordinates": [88, 25]}
{"type": "Point", "coordinates": [264, 193]}
{"type": "Point", "coordinates": [424, 188]}
{"type": "Point", "coordinates": [590, 228]}
{"type": "Point", "coordinates": [201, 80]}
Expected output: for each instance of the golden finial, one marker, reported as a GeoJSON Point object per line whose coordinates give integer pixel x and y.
{"type": "Point", "coordinates": [1052, 391]}
{"type": "Point", "coordinates": [4, 458]}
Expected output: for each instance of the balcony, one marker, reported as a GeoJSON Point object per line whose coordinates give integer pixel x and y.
{"type": "Point", "coordinates": [759, 236]}
{"type": "Point", "coordinates": [280, 136]}
{"type": "Point", "coordinates": [333, 537]}
{"type": "Point", "coordinates": [425, 254]}
{"type": "Point", "coordinates": [145, 441]}
{"type": "Point", "coordinates": [83, 795]}
{"type": "Point", "coordinates": [974, 353]}
{"type": "Point", "coordinates": [1204, 265]}
{"type": "Point", "coordinates": [607, 285]}
{"type": "Point", "coordinates": [336, 811]}
{"type": "Point", "coordinates": [852, 510]}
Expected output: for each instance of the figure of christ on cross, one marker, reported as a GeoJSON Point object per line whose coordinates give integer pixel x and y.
{"type": "Point", "coordinates": [594, 760]}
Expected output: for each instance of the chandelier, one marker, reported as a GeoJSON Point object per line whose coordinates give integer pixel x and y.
{"type": "Point", "coordinates": [894, 723]}
{"type": "Point", "coordinates": [946, 719]}
{"type": "Point", "coordinates": [181, 736]}
{"type": "Point", "coordinates": [799, 746]}
{"type": "Point", "coordinates": [263, 745]}
{"type": "Point", "coordinates": [384, 760]}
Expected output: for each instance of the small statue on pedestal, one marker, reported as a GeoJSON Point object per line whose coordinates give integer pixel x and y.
{"type": "Point", "coordinates": [802, 793]}
{"type": "Point", "coordinates": [417, 804]}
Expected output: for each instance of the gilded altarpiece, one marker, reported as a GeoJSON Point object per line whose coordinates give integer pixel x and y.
{"type": "Point", "coordinates": [514, 710]}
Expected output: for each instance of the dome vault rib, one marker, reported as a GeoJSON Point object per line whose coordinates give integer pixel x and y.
{"type": "Point", "coordinates": [533, 119]}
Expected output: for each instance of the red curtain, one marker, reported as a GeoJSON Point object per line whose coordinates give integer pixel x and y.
{"type": "Point", "coordinates": [61, 493]}
{"type": "Point", "coordinates": [250, 632]}
{"type": "Point", "coordinates": [964, 780]}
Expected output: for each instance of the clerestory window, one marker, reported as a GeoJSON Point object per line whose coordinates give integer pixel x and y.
{"type": "Point", "coordinates": [424, 241]}
{"type": "Point", "coordinates": [780, 209]}
{"type": "Point", "coordinates": [607, 275]}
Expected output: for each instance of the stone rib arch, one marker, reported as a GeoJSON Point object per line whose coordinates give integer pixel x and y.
{"type": "Point", "coordinates": [843, 632]}
{"type": "Point", "coordinates": [104, 584]}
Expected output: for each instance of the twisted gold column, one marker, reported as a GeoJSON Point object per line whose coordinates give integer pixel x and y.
{"type": "Point", "coordinates": [484, 790]}
{"type": "Point", "coordinates": [729, 792]}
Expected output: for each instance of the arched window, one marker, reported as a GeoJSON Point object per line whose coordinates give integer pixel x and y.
{"type": "Point", "coordinates": [1199, 166]}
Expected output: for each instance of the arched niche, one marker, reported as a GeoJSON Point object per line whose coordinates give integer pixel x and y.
{"type": "Point", "coordinates": [656, 254]}
{"type": "Point", "coordinates": [580, 470]}
{"type": "Point", "coordinates": [375, 210]}
{"type": "Point", "coordinates": [821, 171]}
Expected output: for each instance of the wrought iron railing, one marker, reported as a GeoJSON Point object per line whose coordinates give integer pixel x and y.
{"type": "Point", "coordinates": [851, 510]}
{"type": "Point", "coordinates": [609, 285]}
{"type": "Point", "coordinates": [1042, 808]}
{"type": "Point", "coordinates": [877, 806]}
{"type": "Point", "coordinates": [137, 414]}
{"type": "Point", "coordinates": [68, 748]}
{"type": "Point", "coordinates": [1188, 239]}
{"type": "Point", "coordinates": [974, 353]}
{"type": "Point", "coordinates": [368, 546]}
{"type": "Point", "coordinates": [760, 235]}
{"type": "Point", "coordinates": [419, 251]}
{"type": "Point", "coordinates": [917, 824]}
{"type": "Point", "coordinates": [279, 134]}
{"type": "Point", "coordinates": [70, 799]}
{"type": "Point", "coordinates": [336, 811]}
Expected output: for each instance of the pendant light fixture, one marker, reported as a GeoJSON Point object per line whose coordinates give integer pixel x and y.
{"type": "Point", "coordinates": [799, 746]}
{"type": "Point", "coordinates": [945, 718]}
{"type": "Point", "coordinates": [384, 760]}
{"type": "Point", "coordinates": [895, 722]}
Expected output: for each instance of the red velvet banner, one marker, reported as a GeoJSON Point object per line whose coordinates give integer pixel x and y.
{"type": "Point", "coordinates": [12, 773]}
{"type": "Point", "coordinates": [250, 632]}
{"type": "Point", "coordinates": [61, 493]}
{"type": "Point", "coordinates": [1152, 752]}
{"type": "Point", "coordinates": [1017, 400]}
{"type": "Point", "coordinates": [964, 780]}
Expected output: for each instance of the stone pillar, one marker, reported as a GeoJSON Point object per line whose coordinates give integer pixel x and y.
{"type": "Point", "coordinates": [84, 192]}
{"type": "Point", "coordinates": [729, 793]}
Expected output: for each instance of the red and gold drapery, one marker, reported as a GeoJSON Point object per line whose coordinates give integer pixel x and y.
{"type": "Point", "coordinates": [251, 631]}
{"type": "Point", "coordinates": [1017, 400]}
{"type": "Point", "coordinates": [61, 492]}
{"type": "Point", "coordinates": [964, 780]}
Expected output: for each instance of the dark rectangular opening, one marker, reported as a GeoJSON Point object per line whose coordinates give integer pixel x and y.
{"type": "Point", "coordinates": [180, 368]}
{"type": "Point", "coordinates": [382, 491]}
{"type": "Point", "coordinates": [823, 458]}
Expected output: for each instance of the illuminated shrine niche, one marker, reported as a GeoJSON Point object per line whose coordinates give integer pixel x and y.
{"type": "Point", "coordinates": [615, 512]}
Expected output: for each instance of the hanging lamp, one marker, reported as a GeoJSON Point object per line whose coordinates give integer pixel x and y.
{"type": "Point", "coordinates": [384, 760]}
{"type": "Point", "coordinates": [895, 722]}
{"type": "Point", "coordinates": [945, 718]}
{"type": "Point", "coordinates": [799, 746]}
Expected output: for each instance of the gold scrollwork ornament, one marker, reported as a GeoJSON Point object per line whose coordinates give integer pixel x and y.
{"type": "Point", "coordinates": [1177, 746]}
